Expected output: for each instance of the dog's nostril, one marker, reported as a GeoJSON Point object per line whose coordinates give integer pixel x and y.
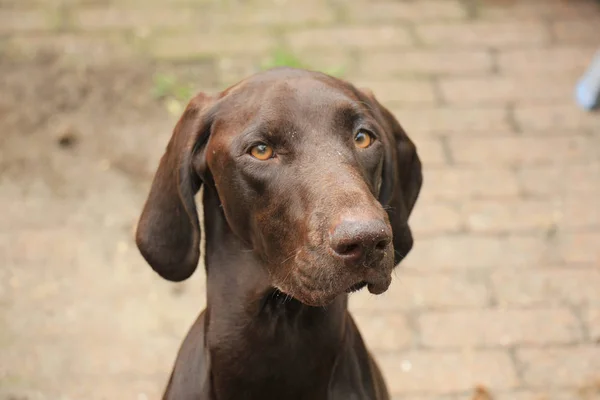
{"type": "Point", "coordinates": [382, 244]}
{"type": "Point", "coordinates": [349, 248]}
{"type": "Point", "coordinates": [353, 251]}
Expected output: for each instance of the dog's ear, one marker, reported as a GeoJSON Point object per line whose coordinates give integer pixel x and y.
{"type": "Point", "coordinates": [168, 232]}
{"type": "Point", "coordinates": [402, 177]}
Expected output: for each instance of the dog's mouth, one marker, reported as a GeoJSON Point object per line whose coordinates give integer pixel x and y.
{"type": "Point", "coordinates": [312, 287]}
{"type": "Point", "coordinates": [356, 287]}
{"type": "Point", "coordinates": [377, 286]}
{"type": "Point", "coordinates": [321, 298]}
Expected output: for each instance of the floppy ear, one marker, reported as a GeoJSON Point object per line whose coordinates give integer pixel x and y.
{"type": "Point", "coordinates": [402, 178]}
{"type": "Point", "coordinates": [168, 232]}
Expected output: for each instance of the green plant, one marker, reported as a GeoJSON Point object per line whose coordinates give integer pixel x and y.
{"type": "Point", "coordinates": [283, 58]}
{"type": "Point", "coordinates": [172, 92]}
{"type": "Point", "coordinates": [168, 86]}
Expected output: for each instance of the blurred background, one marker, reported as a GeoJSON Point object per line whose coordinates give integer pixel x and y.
{"type": "Point", "coordinates": [502, 289]}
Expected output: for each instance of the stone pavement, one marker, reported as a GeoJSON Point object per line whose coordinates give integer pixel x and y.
{"type": "Point", "coordinates": [502, 289]}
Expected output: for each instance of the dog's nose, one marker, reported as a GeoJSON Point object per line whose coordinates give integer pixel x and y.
{"type": "Point", "coordinates": [361, 241]}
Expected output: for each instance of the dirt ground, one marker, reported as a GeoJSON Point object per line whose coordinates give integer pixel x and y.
{"type": "Point", "coordinates": [503, 287]}
{"type": "Point", "coordinates": [79, 146]}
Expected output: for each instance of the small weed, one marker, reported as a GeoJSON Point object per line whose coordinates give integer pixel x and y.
{"type": "Point", "coordinates": [166, 86]}
{"type": "Point", "coordinates": [338, 72]}
{"type": "Point", "coordinates": [283, 58]}
{"type": "Point", "coordinates": [172, 92]}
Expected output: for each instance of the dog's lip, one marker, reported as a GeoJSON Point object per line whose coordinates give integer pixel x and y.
{"type": "Point", "coordinates": [322, 298]}
{"type": "Point", "coordinates": [376, 280]}
{"type": "Point", "coordinates": [357, 286]}
{"type": "Point", "coordinates": [304, 288]}
{"type": "Point", "coordinates": [378, 286]}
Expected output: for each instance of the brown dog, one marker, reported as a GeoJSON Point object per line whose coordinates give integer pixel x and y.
{"type": "Point", "coordinates": [308, 185]}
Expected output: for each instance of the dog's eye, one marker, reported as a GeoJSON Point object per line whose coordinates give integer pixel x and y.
{"type": "Point", "coordinates": [363, 139]}
{"type": "Point", "coordinates": [262, 152]}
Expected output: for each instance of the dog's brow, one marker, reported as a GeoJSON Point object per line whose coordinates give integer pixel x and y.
{"type": "Point", "coordinates": [250, 132]}
{"type": "Point", "coordinates": [348, 114]}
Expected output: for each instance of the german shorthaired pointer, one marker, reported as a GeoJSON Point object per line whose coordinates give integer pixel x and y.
{"type": "Point", "coordinates": [308, 183]}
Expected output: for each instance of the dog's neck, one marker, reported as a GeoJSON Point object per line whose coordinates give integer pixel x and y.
{"type": "Point", "coordinates": [257, 337]}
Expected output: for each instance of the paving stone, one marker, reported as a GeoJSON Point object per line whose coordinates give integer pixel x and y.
{"type": "Point", "coordinates": [501, 288]}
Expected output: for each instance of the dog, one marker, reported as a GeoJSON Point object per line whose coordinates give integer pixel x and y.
{"type": "Point", "coordinates": [308, 183]}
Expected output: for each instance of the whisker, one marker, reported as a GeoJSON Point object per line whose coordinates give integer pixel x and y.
{"type": "Point", "coordinates": [288, 258]}
{"type": "Point", "coordinates": [400, 254]}
{"type": "Point", "coordinates": [289, 272]}
{"type": "Point", "coordinates": [286, 277]}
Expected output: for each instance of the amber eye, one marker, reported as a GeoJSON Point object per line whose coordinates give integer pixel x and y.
{"type": "Point", "coordinates": [262, 152]}
{"type": "Point", "coordinates": [363, 139]}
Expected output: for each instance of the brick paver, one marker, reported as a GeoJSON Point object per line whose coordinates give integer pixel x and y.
{"type": "Point", "coordinates": [484, 34]}
{"type": "Point", "coordinates": [428, 62]}
{"type": "Point", "coordinates": [576, 31]}
{"type": "Point", "coordinates": [592, 319]}
{"type": "Point", "coordinates": [502, 89]}
{"type": "Point", "coordinates": [525, 150]}
{"type": "Point", "coordinates": [561, 366]}
{"type": "Point", "coordinates": [437, 372]}
{"type": "Point", "coordinates": [572, 285]}
{"type": "Point", "coordinates": [399, 11]}
{"type": "Point", "coordinates": [502, 288]}
{"type": "Point", "coordinates": [360, 37]}
{"type": "Point", "coordinates": [460, 183]}
{"type": "Point", "coordinates": [499, 327]}
{"type": "Point", "coordinates": [469, 121]}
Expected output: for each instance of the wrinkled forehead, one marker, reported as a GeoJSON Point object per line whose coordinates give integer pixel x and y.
{"type": "Point", "coordinates": [302, 103]}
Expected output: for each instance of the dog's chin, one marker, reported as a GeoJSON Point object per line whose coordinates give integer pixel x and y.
{"type": "Point", "coordinates": [319, 287]}
{"type": "Point", "coordinates": [314, 298]}
{"type": "Point", "coordinates": [322, 298]}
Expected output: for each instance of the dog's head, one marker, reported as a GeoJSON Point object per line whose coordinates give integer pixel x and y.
{"type": "Point", "coordinates": [314, 176]}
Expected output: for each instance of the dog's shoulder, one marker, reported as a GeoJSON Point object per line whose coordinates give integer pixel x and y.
{"type": "Point", "coordinates": [190, 379]}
